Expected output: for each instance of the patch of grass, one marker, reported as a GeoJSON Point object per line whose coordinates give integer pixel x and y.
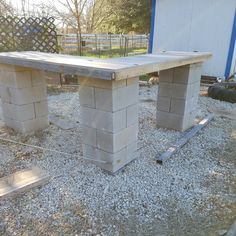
{"type": "Point", "coordinates": [144, 77]}
{"type": "Point", "coordinates": [115, 52]}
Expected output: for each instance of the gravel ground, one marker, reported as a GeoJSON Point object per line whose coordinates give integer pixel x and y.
{"type": "Point", "coordinates": [193, 193]}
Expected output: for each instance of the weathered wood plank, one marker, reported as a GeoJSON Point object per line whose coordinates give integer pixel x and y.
{"type": "Point", "coordinates": [180, 143]}
{"type": "Point", "coordinates": [108, 69]}
{"type": "Point", "coordinates": [21, 181]}
{"type": "Point", "coordinates": [161, 63]}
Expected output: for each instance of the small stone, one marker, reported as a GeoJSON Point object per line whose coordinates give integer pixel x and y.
{"type": "Point", "coordinates": [222, 232]}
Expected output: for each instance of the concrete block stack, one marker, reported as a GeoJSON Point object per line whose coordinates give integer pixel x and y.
{"type": "Point", "coordinates": [178, 96]}
{"type": "Point", "coordinates": [109, 112]}
{"type": "Point", "coordinates": [24, 98]}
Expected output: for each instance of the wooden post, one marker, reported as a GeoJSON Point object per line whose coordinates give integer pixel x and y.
{"type": "Point", "coordinates": [21, 181]}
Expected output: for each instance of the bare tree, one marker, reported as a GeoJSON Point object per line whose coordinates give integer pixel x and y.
{"type": "Point", "coordinates": [23, 7]}
{"type": "Point", "coordinates": [71, 13]}
{"type": "Point", "coordinates": [81, 15]}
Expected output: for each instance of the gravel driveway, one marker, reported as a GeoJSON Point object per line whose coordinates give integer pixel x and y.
{"type": "Point", "coordinates": [193, 193]}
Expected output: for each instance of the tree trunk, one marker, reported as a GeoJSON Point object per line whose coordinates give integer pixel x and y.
{"type": "Point", "coordinates": [79, 38]}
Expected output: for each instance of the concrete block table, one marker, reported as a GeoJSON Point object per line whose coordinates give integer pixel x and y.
{"type": "Point", "coordinates": [108, 97]}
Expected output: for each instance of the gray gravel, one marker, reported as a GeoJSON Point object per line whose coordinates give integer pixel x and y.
{"type": "Point", "coordinates": [190, 194]}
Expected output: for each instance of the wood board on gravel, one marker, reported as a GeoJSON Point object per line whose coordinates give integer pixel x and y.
{"type": "Point", "coordinates": [21, 181]}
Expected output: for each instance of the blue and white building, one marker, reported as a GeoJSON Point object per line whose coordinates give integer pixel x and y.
{"type": "Point", "coordinates": [197, 25]}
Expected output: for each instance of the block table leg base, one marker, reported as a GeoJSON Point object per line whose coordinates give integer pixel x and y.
{"type": "Point", "coordinates": [24, 98]}
{"type": "Point", "coordinates": [178, 96]}
{"type": "Point", "coordinates": [109, 115]}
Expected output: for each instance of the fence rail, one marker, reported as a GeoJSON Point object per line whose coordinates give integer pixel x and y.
{"type": "Point", "coordinates": [107, 45]}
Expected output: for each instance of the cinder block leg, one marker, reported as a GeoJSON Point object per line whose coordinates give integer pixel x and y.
{"type": "Point", "coordinates": [178, 96]}
{"type": "Point", "coordinates": [24, 98]}
{"type": "Point", "coordinates": [109, 114]}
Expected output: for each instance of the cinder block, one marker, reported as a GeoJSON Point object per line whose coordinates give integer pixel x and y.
{"type": "Point", "coordinates": [102, 120]}
{"type": "Point", "coordinates": [87, 96]}
{"type": "Point", "coordinates": [12, 79]}
{"type": "Point", "coordinates": [181, 75]}
{"type": "Point", "coordinates": [1, 112]}
{"type": "Point", "coordinates": [114, 100]}
{"type": "Point", "coordinates": [163, 103]}
{"type": "Point", "coordinates": [41, 108]}
{"type": "Point", "coordinates": [184, 91]}
{"type": "Point", "coordinates": [38, 78]}
{"type": "Point", "coordinates": [22, 79]}
{"type": "Point", "coordinates": [127, 96]}
{"type": "Point", "coordinates": [185, 84]}
{"type": "Point", "coordinates": [89, 136]}
{"type": "Point", "coordinates": [187, 74]}
{"type": "Point", "coordinates": [115, 142]}
{"type": "Point", "coordinates": [23, 96]}
{"type": "Point", "coordinates": [132, 115]}
{"type": "Point", "coordinates": [19, 113]}
{"type": "Point", "coordinates": [196, 91]}
{"type": "Point", "coordinates": [104, 99]}
{"type": "Point", "coordinates": [174, 121]}
{"type": "Point", "coordinates": [195, 72]}
{"type": "Point", "coordinates": [5, 94]}
{"type": "Point", "coordinates": [131, 151]}
{"type": "Point", "coordinates": [193, 103]}
{"type": "Point", "coordinates": [28, 125]}
{"type": "Point", "coordinates": [99, 83]}
{"type": "Point", "coordinates": [165, 89]}
{"type": "Point", "coordinates": [181, 106]}
{"type": "Point", "coordinates": [180, 91]}
{"type": "Point", "coordinates": [108, 161]}
{"type": "Point", "coordinates": [166, 76]}
{"type": "Point", "coordinates": [106, 141]}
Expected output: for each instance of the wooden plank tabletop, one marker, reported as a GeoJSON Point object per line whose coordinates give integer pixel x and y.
{"type": "Point", "coordinates": [108, 69]}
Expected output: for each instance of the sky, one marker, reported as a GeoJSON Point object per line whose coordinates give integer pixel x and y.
{"type": "Point", "coordinates": [30, 5]}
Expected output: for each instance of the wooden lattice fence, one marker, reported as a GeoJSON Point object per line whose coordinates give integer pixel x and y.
{"type": "Point", "coordinates": [28, 34]}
